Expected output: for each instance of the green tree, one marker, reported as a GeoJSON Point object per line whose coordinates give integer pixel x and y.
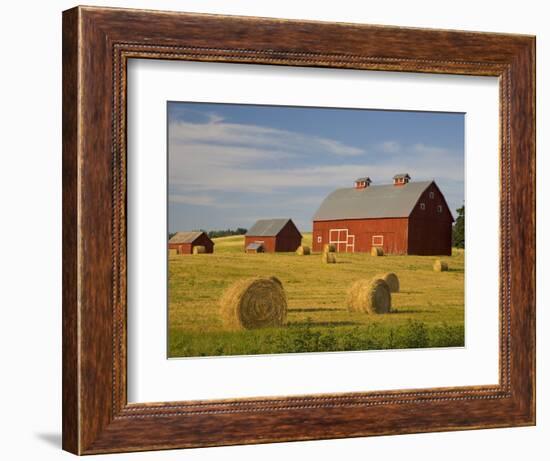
{"type": "Point", "coordinates": [458, 229]}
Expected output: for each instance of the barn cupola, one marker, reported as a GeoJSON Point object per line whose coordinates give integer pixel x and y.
{"type": "Point", "coordinates": [401, 179]}
{"type": "Point", "coordinates": [362, 183]}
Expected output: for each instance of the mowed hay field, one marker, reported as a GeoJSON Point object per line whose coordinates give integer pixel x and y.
{"type": "Point", "coordinates": [427, 312]}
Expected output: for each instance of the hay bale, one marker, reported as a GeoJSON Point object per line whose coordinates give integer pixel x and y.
{"type": "Point", "coordinates": [369, 296]}
{"type": "Point", "coordinates": [440, 266]}
{"type": "Point", "coordinates": [199, 249]}
{"type": "Point", "coordinates": [254, 303]}
{"type": "Point", "coordinates": [377, 251]}
{"type": "Point", "coordinates": [329, 248]}
{"type": "Point", "coordinates": [391, 279]}
{"type": "Point", "coordinates": [276, 280]}
{"type": "Point", "coordinates": [303, 250]}
{"type": "Point", "coordinates": [328, 258]}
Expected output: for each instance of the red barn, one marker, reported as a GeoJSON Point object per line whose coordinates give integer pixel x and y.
{"type": "Point", "coordinates": [403, 218]}
{"type": "Point", "coordinates": [274, 235]}
{"type": "Point", "coordinates": [183, 242]}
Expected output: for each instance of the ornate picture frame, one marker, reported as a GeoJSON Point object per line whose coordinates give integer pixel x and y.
{"type": "Point", "coordinates": [97, 44]}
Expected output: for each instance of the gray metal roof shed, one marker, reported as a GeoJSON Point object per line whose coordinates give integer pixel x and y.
{"type": "Point", "coordinates": [185, 237]}
{"type": "Point", "coordinates": [256, 246]}
{"type": "Point", "coordinates": [267, 227]}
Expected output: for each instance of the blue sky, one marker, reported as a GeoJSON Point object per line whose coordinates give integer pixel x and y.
{"type": "Point", "coordinates": [231, 164]}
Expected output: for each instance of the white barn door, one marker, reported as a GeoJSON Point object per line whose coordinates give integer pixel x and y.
{"type": "Point", "coordinates": [342, 240]}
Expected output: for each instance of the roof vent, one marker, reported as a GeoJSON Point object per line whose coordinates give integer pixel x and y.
{"type": "Point", "coordinates": [362, 183]}
{"type": "Point", "coordinates": [401, 179]}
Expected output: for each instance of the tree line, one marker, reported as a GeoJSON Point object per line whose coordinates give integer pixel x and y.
{"type": "Point", "coordinates": [218, 232]}
{"type": "Point", "coordinates": [458, 229]}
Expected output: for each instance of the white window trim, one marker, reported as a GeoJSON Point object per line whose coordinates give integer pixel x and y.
{"type": "Point", "coordinates": [440, 208]}
{"type": "Point", "coordinates": [319, 239]}
{"type": "Point", "coordinates": [381, 237]}
{"type": "Point", "coordinates": [349, 247]}
{"type": "Point", "coordinates": [432, 195]}
{"type": "Point", "coordinates": [422, 206]}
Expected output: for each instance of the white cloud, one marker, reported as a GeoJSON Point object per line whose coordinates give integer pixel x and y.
{"type": "Point", "coordinates": [198, 176]}
{"type": "Point", "coordinates": [215, 118]}
{"type": "Point", "coordinates": [234, 169]}
{"type": "Point", "coordinates": [390, 147]}
{"type": "Point", "coordinates": [208, 159]}
{"type": "Point", "coordinates": [424, 161]}
{"type": "Point", "coordinates": [190, 199]}
{"type": "Point", "coordinates": [220, 133]}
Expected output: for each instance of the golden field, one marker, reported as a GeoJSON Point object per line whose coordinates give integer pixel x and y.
{"type": "Point", "coordinates": [427, 312]}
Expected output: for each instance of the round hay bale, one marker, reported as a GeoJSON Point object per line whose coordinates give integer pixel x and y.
{"type": "Point", "coordinates": [328, 258]}
{"type": "Point", "coordinates": [392, 280]}
{"type": "Point", "coordinates": [303, 250]}
{"type": "Point", "coordinates": [199, 249]}
{"type": "Point", "coordinates": [440, 266]}
{"type": "Point", "coordinates": [329, 248]}
{"type": "Point", "coordinates": [370, 297]}
{"type": "Point", "coordinates": [276, 280]}
{"type": "Point", "coordinates": [377, 251]}
{"type": "Point", "coordinates": [254, 303]}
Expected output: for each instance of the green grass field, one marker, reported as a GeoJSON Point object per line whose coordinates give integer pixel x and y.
{"type": "Point", "coordinates": [427, 312]}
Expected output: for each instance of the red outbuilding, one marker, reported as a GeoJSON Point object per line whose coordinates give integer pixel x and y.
{"type": "Point", "coordinates": [403, 218]}
{"type": "Point", "coordinates": [272, 235]}
{"type": "Point", "coordinates": [183, 242]}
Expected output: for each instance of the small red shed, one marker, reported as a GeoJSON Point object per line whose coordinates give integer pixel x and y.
{"type": "Point", "coordinates": [403, 218]}
{"type": "Point", "coordinates": [183, 242]}
{"type": "Point", "coordinates": [274, 235]}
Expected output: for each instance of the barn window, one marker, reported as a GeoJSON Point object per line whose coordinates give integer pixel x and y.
{"type": "Point", "coordinates": [439, 209]}
{"type": "Point", "coordinates": [422, 206]}
{"type": "Point", "coordinates": [432, 195]}
{"type": "Point", "coordinates": [319, 239]}
{"type": "Point", "coordinates": [377, 240]}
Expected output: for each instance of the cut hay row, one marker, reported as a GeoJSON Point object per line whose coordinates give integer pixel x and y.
{"type": "Point", "coordinates": [370, 297]}
{"type": "Point", "coordinates": [329, 248]}
{"type": "Point", "coordinates": [440, 266]}
{"type": "Point", "coordinates": [254, 303]}
{"type": "Point", "coordinates": [303, 250]}
{"type": "Point", "coordinates": [199, 249]}
{"type": "Point", "coordinates": [328, 258]}
{"type": "Point", "coordinates": [377, 251]}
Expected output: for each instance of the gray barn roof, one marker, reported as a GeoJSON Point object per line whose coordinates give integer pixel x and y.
{"type": "Point", "coordinates": [385, 201]}
{"type": "Point", "coordinates": [267, 227]}
{"type": "Point", "coordinates": [185, 237]}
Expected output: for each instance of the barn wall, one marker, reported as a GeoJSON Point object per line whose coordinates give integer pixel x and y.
{"type": "Point", "coordinates": [187, 248]}
{"type": "Point", "coordinates": [393, 230]}
{"type": "Point", "coordinates": [269, 242]}
{"type": "Point", "coordinates": [204, 240]}
{"type": "Point", "coordinates": [182, 248]}
{"type": "Point", "coordinates": [289, 238]}
{"type": "Point", "coordinates": [430, 232]}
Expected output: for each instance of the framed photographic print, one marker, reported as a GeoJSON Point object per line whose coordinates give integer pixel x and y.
{"type": "Point", "coordinates": [284, 230]}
